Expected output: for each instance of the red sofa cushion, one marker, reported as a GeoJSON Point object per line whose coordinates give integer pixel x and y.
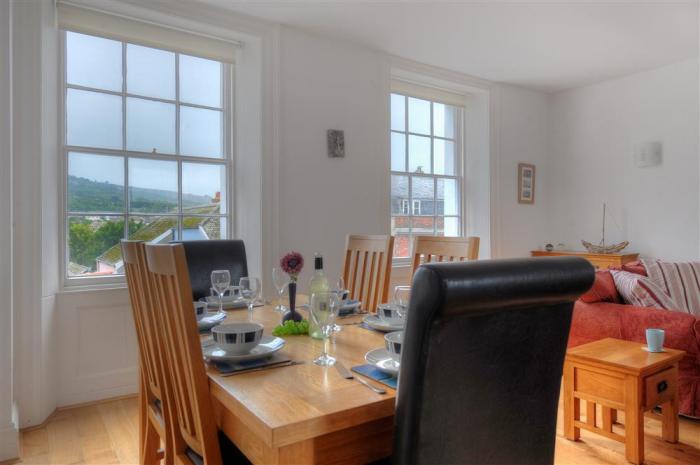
{"type": "Point", "coordinates": [603, 289]}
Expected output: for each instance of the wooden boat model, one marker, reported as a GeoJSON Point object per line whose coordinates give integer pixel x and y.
{"type": "Point", "coordinates": [601, 247]}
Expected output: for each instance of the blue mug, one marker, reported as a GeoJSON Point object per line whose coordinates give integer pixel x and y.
{"type": "Point", "coordinates": [655, 340]}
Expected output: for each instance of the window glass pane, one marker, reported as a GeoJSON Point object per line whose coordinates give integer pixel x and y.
{"type": "Point", "coordinates": [398, 151]}
{"type": "Point", "coordinates": [150, 72]}
{"type": "Point", "coordinates": [197, 228]}
{"type": "Point", "coordinates": [200, 81]}
{"type": "Point", "coordinates": [152, 186]}
{"type": "Point", "coordinates": [93, 119]}
{"type": "Point", "coordinates": [153, 229]}
{"type": "Point", "coordinates": [451, 228]}
{"type": "Point", "coordinates": [399, 195]}
{"type": "Point", "coordinates": [92, 241]}
{"type": "Point", "coordinates": [150, 125]}
{"type": "Point", "coordinates": [422, 195]}
{"type": "Point", "coordinates": [444, 120]}
{"type": "Point", "coordinates": [200, 132]}
{"type": "Point", "coordinates": [418, 116]}
{"type": "Point", "coordinates": [93, 62]}
{"type": "Point", "coordinates": [95, 183]}
{"type": "Point", "coordinates": [204, 185]}
{"type": "Point", "coordinates": [422, 226]}
{"type": "Point", "coordinates": [402, 241]}
{"type": "Point", "coordinates": [447, 197]}
{"type": "Point", "coordinates": [398, 112]}
{"type": "Point", "coordinates": [444, 156]}
{"type": "Point", "coordinates": [419, 154]}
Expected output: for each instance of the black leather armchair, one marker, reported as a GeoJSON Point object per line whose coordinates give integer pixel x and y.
{"type": "Point", "coordinates": [482, 360]}
{"type": "Point", "coordinates": [203, 257]}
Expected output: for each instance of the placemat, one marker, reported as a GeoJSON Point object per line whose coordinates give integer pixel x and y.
{"type": "Point", "coordinates": [376, 374]}
{"type": "Point", "coordinates": [226, 368]}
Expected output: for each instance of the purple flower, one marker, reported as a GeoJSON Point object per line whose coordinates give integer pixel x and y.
{"type": "Point", "coordinates": [292, 264]}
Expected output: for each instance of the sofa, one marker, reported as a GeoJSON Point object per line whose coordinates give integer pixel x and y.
{"type": "Point", "coordinates": [601, 313]}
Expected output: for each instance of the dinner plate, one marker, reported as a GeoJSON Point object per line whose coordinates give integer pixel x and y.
{"type": "Point", "coordinates": [268, 346]}
{"type": "Point", "coordinates": [374, 322]}
{"type": "Point", "coordinates": [210, 320]}
{"type": "Point", "coordinates": [381, 359]}
{"type": "Point", "coordinates": [213, 302]}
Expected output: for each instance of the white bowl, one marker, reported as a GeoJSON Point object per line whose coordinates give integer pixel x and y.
{"type": "Point", "coordinates": [391, 313]}
{"type": "Point", "coordinates": [393, 342]}
{"type": "Point", "coordinates": [237, 338]}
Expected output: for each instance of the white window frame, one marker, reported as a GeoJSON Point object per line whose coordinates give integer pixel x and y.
{"type": "Point", "coordinates": [460, 169]}
{"type": "Point", "coordinates": [228, 116]}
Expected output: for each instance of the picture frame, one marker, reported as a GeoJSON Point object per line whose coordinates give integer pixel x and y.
{"type": "Point", "coordinates": [526, 183]}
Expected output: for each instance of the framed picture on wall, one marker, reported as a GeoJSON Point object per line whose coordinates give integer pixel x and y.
{"type": "Point", "coordinates": [526, 183]}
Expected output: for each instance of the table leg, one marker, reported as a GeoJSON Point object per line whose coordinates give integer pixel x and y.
{"type": "Point", "coordinates": [634, 421]}
{"type": "Point", "coordinates": [669, 420]}
{"type": "Point", "coordinates": [572, 405]}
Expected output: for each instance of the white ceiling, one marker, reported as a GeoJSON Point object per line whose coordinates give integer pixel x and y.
{"type": "Point", "coordinates": [545, 45]}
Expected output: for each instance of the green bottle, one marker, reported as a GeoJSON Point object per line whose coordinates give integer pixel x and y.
{"type": "Point", "coordinates": [318, 284]}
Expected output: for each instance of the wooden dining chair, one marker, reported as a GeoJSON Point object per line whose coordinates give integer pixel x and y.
{"type": "Point", "coordinates": [195, 434]}
{"type": "Point", "coordinates": [154, 418]}
{"type": "Point", "coordinates": [436, 248]}
{"type": "Point", "coordinates": [367, 268]}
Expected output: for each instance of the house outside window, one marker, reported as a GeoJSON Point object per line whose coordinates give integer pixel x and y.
{"type": "Point", "coordinates": [426, 170]}
{"type": "Point", "coordinates": [145, 152]}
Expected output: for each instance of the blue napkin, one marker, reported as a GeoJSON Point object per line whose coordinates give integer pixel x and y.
{"type": "Point", "coordinates": [368, 327]}
{"type": "Point", "coordinates": [376, 374]}
{"type": "Point", "coordinates": [235, 367]}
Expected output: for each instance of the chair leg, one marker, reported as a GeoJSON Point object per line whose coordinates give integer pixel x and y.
{"type": "Point", "coordinates": [151, 446]}
{"type": "Point", "coordinates": [143, 416]}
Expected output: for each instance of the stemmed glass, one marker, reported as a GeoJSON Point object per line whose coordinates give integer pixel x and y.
{"type": "Point", "coordinates": [250, 291]}
{"type": "Point", "coordinates": [280, 280]}
{"type": "Point", "coordinates": [402, 296]}
{"type": "Point", "coordinates": [339, 289]}
{"type": "Point", "coordinates": [220, 281]}
{"type": "Point", "coordinates": [323, 309]}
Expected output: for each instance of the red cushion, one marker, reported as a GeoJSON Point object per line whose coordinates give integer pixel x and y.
{"type": "Point", "coordinates": [603, 289]}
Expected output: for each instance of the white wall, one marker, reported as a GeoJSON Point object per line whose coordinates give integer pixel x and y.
{"type": "Point", "coordinates": [326, 84]}
{"type": "Point", "coordinates": [594, 130]}
{"type": "Point", "coordinates": [8, 430]}
{"type": "Point", "coordinates": [521, 137]}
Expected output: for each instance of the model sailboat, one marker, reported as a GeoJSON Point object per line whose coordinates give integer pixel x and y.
{"type": "Point", "coordinates": [601, 247]}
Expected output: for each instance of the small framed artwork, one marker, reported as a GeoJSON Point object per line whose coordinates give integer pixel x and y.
{"type": "Point", "coordinates": [526, 183]}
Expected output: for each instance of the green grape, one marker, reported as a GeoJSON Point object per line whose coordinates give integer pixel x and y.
{"type": "Point", "coordinates": [292, 328]}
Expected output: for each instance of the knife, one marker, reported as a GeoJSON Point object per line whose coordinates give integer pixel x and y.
{"type": "Point", "coordinates": [347, 375]}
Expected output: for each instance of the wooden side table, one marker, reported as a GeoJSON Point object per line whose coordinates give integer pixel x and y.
{"type": "Point", "coordinates": [621, 375]}
{"type": "Point", "coordinates": [599, 260]}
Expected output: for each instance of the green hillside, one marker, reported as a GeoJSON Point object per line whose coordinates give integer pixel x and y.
{"type": "Point", "coordinates": [85, 195]}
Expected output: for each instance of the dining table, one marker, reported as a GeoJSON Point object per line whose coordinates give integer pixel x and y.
{"type": "Point", "coordinates": [305, 413]}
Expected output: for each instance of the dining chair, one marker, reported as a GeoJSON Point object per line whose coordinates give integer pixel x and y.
{"type": "Point", "coordinates": [196, 439]}
{"type": "Point", "coordinates": [154, 419]}
{"type": "Point", "coordinates": [443, 249]}
{"type": "Point", "coordinates": [367, 268]}
{"type": "Point", "coordinates": [482, 360]}
{"type": "Point", "coordinates": [203, 257]}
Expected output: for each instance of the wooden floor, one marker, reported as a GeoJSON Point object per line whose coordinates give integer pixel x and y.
{"type": "Point", "coordinates": [106, 433]}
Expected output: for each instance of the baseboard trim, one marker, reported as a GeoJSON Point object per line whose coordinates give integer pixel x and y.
{"type": "Point", "coordinates": [9, 445]}
{"type": "Point", "coordinates": [74, 406]}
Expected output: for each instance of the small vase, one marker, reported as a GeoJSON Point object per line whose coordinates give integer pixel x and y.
{"type": "Point", "coordinates": [292, 314]}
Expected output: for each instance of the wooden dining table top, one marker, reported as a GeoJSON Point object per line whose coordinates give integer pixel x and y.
{"type": "Point", "coordinates": [286, 405]}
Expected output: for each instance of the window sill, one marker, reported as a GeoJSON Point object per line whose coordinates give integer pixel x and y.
{"type": "Point", "coordinates": [92, 286]}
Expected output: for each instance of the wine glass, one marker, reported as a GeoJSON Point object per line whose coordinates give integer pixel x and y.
{"type": "Point", "coordinates": [220, 281]}
{"type": "Point", "coordinates": [402, 296]}
{"type": "Point", "coordinates": [323, 308]}
{"type": "Point", "coordinates": [250, 291]}
{"type": "Point", "coordinates": [339, 289]}
{"type": "Point", "coordinates": [280, 280]}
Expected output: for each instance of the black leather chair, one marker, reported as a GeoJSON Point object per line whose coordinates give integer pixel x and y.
{"type": "Point", "coordinates": [482, 360]}
{"type": "Point", "coordinates": [203, 257]}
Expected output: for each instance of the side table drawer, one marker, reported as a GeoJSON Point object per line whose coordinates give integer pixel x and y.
{"type": "Point", "coordinates": [659, 388]}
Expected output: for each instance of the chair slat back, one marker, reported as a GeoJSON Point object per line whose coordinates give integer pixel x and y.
{"type": "Point", "coordinates": [367, 268]}
{"type": "Point", "coordinates": [190, 403]}
{"type": "Point", "coordinates": [428, 249]}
